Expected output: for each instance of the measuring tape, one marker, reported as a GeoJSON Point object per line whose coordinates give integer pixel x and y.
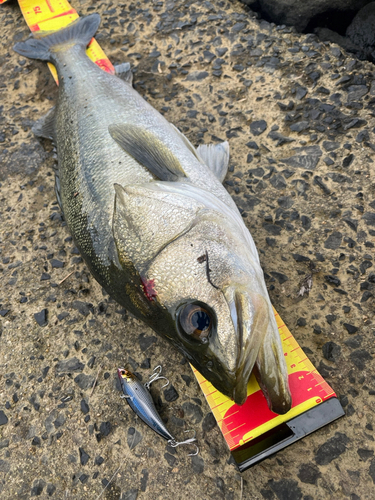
{"type": "Point", "coordinates": [239, 424]}
{"type": "Point", "coordinates": [53, 15]}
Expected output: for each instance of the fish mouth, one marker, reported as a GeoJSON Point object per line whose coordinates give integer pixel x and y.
{"type": "Point", "coordinates": [249, 313]}
{"type": "Point", "coordinates": [259, 348]}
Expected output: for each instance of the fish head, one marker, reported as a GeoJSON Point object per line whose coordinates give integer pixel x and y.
{"type": "Point", "coordinates": [201, 273]}
{"type": "Point", "coordinates": [125, 376]}
{"type": "Point", "coordinates": [219, 314]}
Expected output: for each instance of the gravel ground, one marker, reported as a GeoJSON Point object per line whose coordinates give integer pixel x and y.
{"type": "Point", "coordinates": [299, 117]}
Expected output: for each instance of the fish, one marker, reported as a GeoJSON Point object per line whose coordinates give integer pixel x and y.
{"type": "Point", "coordinates": [141, 402]}
{"type": "Point", "coordinates": [153, 222]}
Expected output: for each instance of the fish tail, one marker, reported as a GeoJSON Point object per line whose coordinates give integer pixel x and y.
{"type": "Point", "coordinates": [80, 32]}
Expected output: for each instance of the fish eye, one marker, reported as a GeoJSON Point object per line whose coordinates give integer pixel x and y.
{"type": "Point", "coordinates": [195, 322]}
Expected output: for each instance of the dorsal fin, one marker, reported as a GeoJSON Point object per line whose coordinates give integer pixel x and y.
{"type": "Point", "coordinates": [216, 157]}
{"type": "Point", "coordinates": [148, 150]}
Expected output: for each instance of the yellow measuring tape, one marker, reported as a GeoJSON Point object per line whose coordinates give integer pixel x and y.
{"type": "Point", "coordinates": [240, 425]}
{"type": "Point", "coordinates": [53, 15]}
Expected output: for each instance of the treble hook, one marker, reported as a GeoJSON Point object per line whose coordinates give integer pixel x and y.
{"type": "Point", "coordinates": [174, 443]}
{"type": "Point", "coordinates": [156, 376]}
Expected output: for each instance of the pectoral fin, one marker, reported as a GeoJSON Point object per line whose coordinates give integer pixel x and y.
{"type": "Point", "coordinates": [148, 150]}
{"type": "Point", "coordinates": [216, 157]}
{"type": "Point", "coordinates": [124, 72]}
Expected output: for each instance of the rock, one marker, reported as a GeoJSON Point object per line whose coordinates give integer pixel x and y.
{"type": "Point", "coordinates": [84, 381]}
{"type": "Point", "coordinates": [365, 454]}
{"type": "Point", "coordinates": [333, 241]}
{"type": "Point", "coordinates": [331, 351]}
{"type": "Point", "coordinates": [4, 466]}
{"type": "Point", "coordinates": [301, 322]}
{"type": "Point", "coordinates": [170, 394]}
{"type": "Point", "coordinates": [57, 264]}
{"type": "Point", "coordinates": [299, 13]}
{"type": "Point", "coordinates": [197, 464]}
{"type": "Point", "coordinates": [354, 342]}
{"type": "Point", "coordinates": [309, 473]}
{"type": "Point", "coordinates": [258, 127]}
{"type": "Point", "coordinates": [3, 418]}
{"type": "Point", "coordinates": [37, 489]}
{"type": "Point", "coordinates": [209, 422]}
{"type": "Point", "coordinates": [70, 365]}
{"type": "Point", "coordinates": [308, 162]}
{"type": "Point", "coordinates": [83, 456]}
{"type": "Point", "coordinates": [281, 278]}
{"type": "Point", "coordinates": [299, 126]}
{"type": "Point", "coordinates": [331, 449]}
{"type": "Point", "coordinates": [278, 181]}
{"type": "Point", "coordinates": [36, 441]}
{"type": "Point", "coordinates": [331, 318]}
{"type": "Point", "coordinates": [82, 307]}
{"type": "Point", "coordinates": [84, 407]}
{"type": "Point", "coordinates": [130, 495]}
{"type": "Point", "coordinates": [372, 470]}
{"type": "Point", "coordinates": [26, 159]}
{"type": "Point", "coordinates": [347, 161]}
{"type": "Point", "coordinates": [134, 438]}
{"type": "Point", "coordinates": [105, 428]}
{"type": "Point", "coordinates": [146, 341]}
{"type": "Point", "coordinates": [51, 488]}
{"type": "Point", "coordinates": [286, 489]}
{"type": "Point", "coordinates": [170, 459]}
{"type": "Point", "coordinates": [361, 32]}
{"type": "Point", "coordinates": [186, 379]}
{"type": "Point", "coordinates": [144, 479]}
{"type": "Point", "coordinates": [4, 443]}
{"type": "Point", "coordinates": [369, 218]}
{"type": "Point", "coordinates": [197, 75]}
{"type": "Point", "coordinates": [41, 317]}
{"type": "Point", "coordinates": [360, 358]}
{"type": "Point", "coordinates": [193, 412]}
{"type": "Point", "coordinates": [332, 280]}
{"type": "Point", "coordinates": [351, 328]}
{"type": "Point", "coordinates": [300, 258]}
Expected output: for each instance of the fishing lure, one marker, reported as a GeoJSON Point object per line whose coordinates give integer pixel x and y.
{"type": "Point", "coordinates": [141, 402]}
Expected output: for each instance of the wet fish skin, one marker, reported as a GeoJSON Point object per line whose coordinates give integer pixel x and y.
{"type": "Point", "coordinates": [155, 225]}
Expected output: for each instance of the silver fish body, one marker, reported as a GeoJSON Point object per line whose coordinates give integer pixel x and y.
{"type": "Point", "coordinates": [154, 224]}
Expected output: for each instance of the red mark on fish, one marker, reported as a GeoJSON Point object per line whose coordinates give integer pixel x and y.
{"type": "Point", "coordinates": [149, 288]}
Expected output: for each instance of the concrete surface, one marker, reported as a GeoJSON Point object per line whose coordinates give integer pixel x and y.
{"type": "Point", "coordinates": [299, 117]}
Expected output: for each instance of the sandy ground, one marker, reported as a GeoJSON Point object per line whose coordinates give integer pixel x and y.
{"type": "Point", "coordinates": [299, 117]}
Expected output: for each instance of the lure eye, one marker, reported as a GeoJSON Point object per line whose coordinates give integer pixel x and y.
{"type": "Point", "coordinates": [195, 322]}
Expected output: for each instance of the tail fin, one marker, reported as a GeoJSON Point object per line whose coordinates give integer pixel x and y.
{"type": "Point", "coordinates": [79, 32]}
